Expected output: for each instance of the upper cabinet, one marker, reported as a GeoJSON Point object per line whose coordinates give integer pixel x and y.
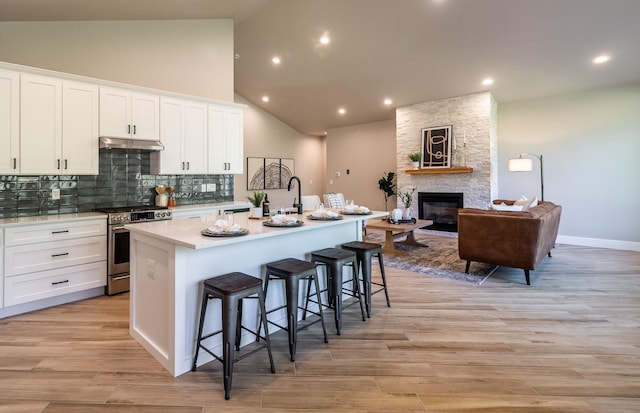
{"type": "Point", "coordinates": [58, 126]}
{"type": "Point", "coordinates": [9, 121]}
{"type": "Point", "coordinates": [129, 114]}
{"type": "Point", "coordinates": [225, 139]}
{"type": "Point", "coordinates": [183, 132]}
{"type": "Point", "coordinates": [40, 124]}
{"type": "Point", "coordinates": [80, 128]}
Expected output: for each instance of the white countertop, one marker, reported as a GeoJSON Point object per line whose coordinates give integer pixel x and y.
{"type": "Point", "coordinates": [215, 205]}
{"type": "Point", "coordinates": [50, 219]}
{"type": "Point", "coordinates": [187, 232]}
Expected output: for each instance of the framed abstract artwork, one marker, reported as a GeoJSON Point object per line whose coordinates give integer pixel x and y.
{"type": "Point", "coordinates": [269, 173]}
{"type": "Point", "coordinates": [436, 147]}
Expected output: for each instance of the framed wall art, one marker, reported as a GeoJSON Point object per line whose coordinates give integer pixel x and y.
{"type": "Point", "coordinates": [269, 173]}
{"type": "Point", "coordinates": [436, 147]}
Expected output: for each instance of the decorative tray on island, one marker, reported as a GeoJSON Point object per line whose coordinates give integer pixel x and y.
{"type": "Point", "coordinates": [325, 218]}
{"type": "Point", "coordinates": [289, 224]}
{"type": "Point", "coordinates": [355, 213]}
{"type": "Point", "coordinates": [208, 233]}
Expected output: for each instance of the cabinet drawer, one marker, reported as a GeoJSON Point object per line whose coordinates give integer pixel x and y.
{"type": "Point", "coordinates": [25, 259]}
{"type": "Point", "coordinates": [29, 234]}
{"type": "Point", "coordinates": [46, 284]}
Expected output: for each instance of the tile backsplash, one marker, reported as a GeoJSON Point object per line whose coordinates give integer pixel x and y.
{"type": "Point", "coordinates": [123, 180]}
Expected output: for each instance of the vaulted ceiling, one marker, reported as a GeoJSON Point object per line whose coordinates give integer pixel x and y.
{"type": "Point", "coordinates": [408, 51]}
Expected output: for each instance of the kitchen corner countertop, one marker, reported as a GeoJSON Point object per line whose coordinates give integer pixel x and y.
{"type": "Point", "coordinates": [212, 205]}
{"type": "Point", "coordinates": [187, 232]}
{"type": "Point", "coordinates": [50, 219]}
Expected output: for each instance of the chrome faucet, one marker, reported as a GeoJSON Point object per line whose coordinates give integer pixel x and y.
{"type": "Point", "coordinates": [299, 204]}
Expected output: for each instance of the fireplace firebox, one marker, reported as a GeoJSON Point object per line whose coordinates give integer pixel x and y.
{"type": "Point", "coordinates": [441, 208]}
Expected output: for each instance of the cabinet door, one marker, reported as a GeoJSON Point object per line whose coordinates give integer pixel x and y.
{"type": "Point", "coordinates": [115, 113]}
{"type": "Point", "coordinates": [225, 140]}
{"type": "Point", "coordinates": [9, 122]}
{"type": "Point", "coordinates": [195, 137]}
{"type": "Point", "coordinates": [79, 128]}
{"type": "Point", "coordinates": [40, 124]}
{"type": "Point", "coordinates": [216, 146]}
{"type": "Point", "coordinates": [169, 161]}
{"type": "Point", "coordinates": [234, 140]}
{"type": "Point", "coordinates": [145, 116]}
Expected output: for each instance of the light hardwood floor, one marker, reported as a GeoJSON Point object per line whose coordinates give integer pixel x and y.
{"type": "Point", "coordinates": [568, 343]}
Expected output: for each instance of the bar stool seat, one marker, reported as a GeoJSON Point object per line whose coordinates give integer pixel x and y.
{"type": "Point", "coordinates": [231, 289]}
{"type": "Point", "coordinates": [365, 251]}
{"type": "Point", "coordinates": [292, 271]}
{"type": "Point", "coordinates": [334, 259]}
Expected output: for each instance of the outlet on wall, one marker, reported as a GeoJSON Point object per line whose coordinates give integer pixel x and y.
{"type": "Point", "coordinates": [55, 193]}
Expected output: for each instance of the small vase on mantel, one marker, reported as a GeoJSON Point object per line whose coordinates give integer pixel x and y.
{"type": "Point", "coordinates": [416, 165]}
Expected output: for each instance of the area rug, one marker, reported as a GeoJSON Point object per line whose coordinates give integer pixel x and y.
{"type": "Point", "coordinates": [439, 259]}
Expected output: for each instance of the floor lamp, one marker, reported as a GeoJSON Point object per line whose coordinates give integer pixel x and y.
{"type": "Point", "coordinates": [521, 164]}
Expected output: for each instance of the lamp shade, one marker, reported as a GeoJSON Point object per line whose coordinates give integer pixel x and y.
{"type": "Point", "coordinates": [520, 165]}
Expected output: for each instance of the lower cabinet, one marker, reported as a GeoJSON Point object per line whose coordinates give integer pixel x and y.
{"type": "Point", "coordinates": [41, 262]}
{"type": "Point", "coordinates": [45, 284]}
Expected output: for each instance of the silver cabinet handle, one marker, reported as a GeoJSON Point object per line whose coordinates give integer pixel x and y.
{"type": "Point", "coordinates": [62, 254]}
{"type": "Point", "coordinates": [134, 129]}
{"type": "Point", "coordinates": [65, 231]}
{"type": "Point", "coordinates": [129, 129]}
{"type": "Point", "coordinates": [187, 165]}
{"type": "Point", "coordinates": [66, 164]}
{"type": "Point", "coordinates": [58, 163]}
{"type": "Point", "coordinates": [15, 163]}
{"type": "Point", "coordinates": [59, 282]}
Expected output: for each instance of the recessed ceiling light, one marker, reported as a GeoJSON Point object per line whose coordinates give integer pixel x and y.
{"type": "Point", "coordinates": [488, 81]}
{"type": "Point", "coordinates": [601, 59]}
{"type": "Point", "coordinates": [325, 39]}
{"type": "Point", "coordinates": [388, 101]}
{"type": "Point", "coordinates": [342, 111]}
{"type": "Point", "coordinates": [265, 98]}
{"type": "Point", "coordinates": [275, 60]}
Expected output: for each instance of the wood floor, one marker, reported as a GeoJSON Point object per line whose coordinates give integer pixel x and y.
{"type": "Point", "coordinates": [568, 343]}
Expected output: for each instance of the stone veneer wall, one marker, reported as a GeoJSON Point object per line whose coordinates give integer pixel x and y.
{"type": "Point", "coordinates": [472, 116]}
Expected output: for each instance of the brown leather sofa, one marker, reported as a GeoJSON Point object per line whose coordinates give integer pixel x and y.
{"type": "Point", "coordinates": [513, 239]}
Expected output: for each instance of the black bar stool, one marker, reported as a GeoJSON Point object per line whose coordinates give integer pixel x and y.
{"type": "Point", "coordinates": [231, 289]}
{"type": "Point", "coordinates": [292, 271]}
{"type": "Point", "coordinates": [365, 251]}
{"type": "Point", "coordinates": [334, 259]}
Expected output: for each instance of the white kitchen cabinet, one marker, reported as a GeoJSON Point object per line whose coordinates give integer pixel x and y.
{"type": "Point", "coordinates": [183, 132]}
{"type": "Point", "coordinates": [45, 260]}
{"type": "Point", "coordinates": [128, 114]}
{"type": "Point", "coordinates": [9, 121]}
{"type": "Point", "coordinates": [40, 125]}
{"type": "Point", "coordinates": [225, 139]}
{"type": "Point", "coordinates": [58, 127]}
{"type": "Point", "coordinates": [80, 150]}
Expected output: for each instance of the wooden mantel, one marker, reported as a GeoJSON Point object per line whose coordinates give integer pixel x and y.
{"type": "Point", "coordinates": [454, 170]}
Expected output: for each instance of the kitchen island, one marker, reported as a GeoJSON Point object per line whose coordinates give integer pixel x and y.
{"type": "Point", "coordinates": [170, 259]}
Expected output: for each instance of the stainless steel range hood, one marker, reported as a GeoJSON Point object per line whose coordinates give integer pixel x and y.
{"type": "Point", "coordinates": [118, 143]}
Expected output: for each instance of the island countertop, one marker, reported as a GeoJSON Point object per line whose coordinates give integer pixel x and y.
{"type": "Point", "coordinates": [188, 232]}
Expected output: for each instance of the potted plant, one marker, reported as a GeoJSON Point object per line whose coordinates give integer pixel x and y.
{"type": "Point", "coordinates": [406, 197]}
{"type": "Point", "coordinates": [256, 201]}
{"type": "Point", "coordinates": [387, 186]}
{"type": "Point", "coordinates": [415, 158]}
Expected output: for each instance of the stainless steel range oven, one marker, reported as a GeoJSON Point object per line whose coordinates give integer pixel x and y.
{"type": "Point", "coordinates": [118, 241]}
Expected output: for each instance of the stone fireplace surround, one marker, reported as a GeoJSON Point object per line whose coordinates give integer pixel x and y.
{"type": "Point", "coordinates": [474, 144]}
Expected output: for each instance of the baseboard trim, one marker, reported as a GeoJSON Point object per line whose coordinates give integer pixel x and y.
{"type": "Point", "coordinates": [599, 243]}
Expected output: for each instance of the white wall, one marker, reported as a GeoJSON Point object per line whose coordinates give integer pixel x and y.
{"type": "Point", "coordinates": [367, 151]}
{"type": "Point", "coordinates": [590, 144]}
{"type": "Point", "coordinates": [267, 137]}
{"type": "Point", "coordinates": [194, 57]}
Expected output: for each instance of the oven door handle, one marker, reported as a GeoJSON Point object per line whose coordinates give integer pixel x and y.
{"type": "Point", "coordinates": [119, 229]}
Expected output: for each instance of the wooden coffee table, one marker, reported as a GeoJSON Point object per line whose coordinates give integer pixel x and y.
{"type": "Point", "coordinates": [396, 230]}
